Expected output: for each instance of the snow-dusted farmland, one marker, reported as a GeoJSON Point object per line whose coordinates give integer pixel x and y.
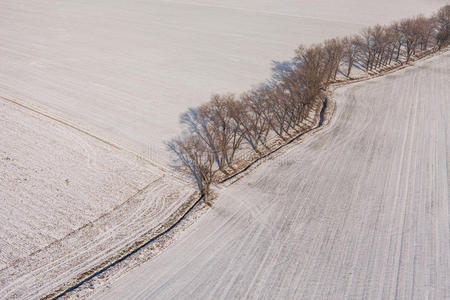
{"type": "Point", "coordinates": [358, 211]}
{"type": "Point", "coordinates": [125, 70]}
{"type": "Point", "coordinates": [121, 72]}
{"type": "Point", "coordinates": [68, 201]}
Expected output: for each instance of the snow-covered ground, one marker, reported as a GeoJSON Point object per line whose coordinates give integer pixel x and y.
{"type": "Point", "coordinates": [360, 210]}
{"type": "Point", "coordinates": [125, 70]}
{"type": "Point", "coordinates": [122, 72]}
{"type": "Point", "coordinates": [69, 201]}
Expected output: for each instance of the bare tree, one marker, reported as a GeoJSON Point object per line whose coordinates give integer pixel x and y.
{"type": "Point", "coordinates": [249, 113]}
{"type": "Point", "coordinates": [411, 33]}
{"type": "Point", "coordinates": [366, 47]}
{"type": "Point", "coordinates": [391, 44]}
{"type": "Point", "coordinates": [425, 27]}
{"type": "Point", "coordinates": [378, 45]}
{"type": "Point", "coordinates": [442, 23]}
{"type": "Point", "coordinates": [218, 114]}
{"type": "Point", "coordinates": [291, 89]}
{"type": "Point", "coordinates": [312, 70]}
{"type": "Point", "coordinates": [194, 157]}
{"type": "Point", "coordinates": [333, 51]}
{"type": "Point", "coordinates": [274, 110]}
{"type": "Point", "coordinates": [350, 52]}
{"type": "Point", "coordinates": [198, 123]}
{"type": "Point", "coordinates": [235, 137]}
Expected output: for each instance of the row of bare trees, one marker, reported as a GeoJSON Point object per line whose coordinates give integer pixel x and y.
{"type": "Point", "coordinates": [217, 132]}
{"type": "Point", "coordinates": [379, 46]}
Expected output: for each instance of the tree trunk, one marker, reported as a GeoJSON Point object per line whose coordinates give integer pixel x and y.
{"type": "Point", "coordinates": [350, 65]}
{"type": "Point", "coordinates": [206, 195]}
{"type": "Point", "coordinates": [398, 52]}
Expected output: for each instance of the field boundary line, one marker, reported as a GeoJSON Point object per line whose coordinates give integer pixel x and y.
{"type": "Point", "coordinates": [68, 124]}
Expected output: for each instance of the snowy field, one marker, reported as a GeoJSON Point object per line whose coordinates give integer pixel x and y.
{"type": "Point", "coordinates": [69, 201]}
{"type": "Point", "coordinates": [117, 74]}
{"type": "Point", "coordinates": [125, 70]}
{"type": "Point", "coordinates": [360, 210]}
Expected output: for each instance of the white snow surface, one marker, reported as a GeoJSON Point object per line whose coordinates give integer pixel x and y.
{"type": "Point", "coordinates": [69, 201]}
{"type": "Point", "coordinates": [360, 210]}
{"type": "Point", "coordinates": [125, 70]}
